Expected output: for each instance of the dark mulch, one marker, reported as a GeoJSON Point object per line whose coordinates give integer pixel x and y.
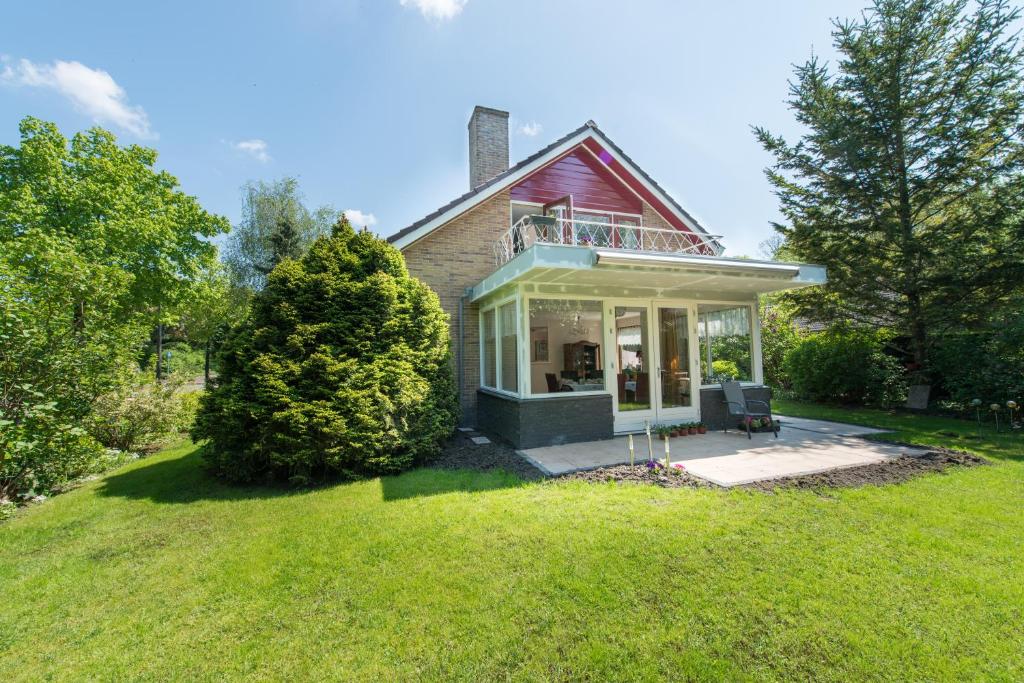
{"type": "Point", "coordinates": [462, 454]}
{"type": "Point", "coordinates": [890, 471]}
{"type": "Point", "coordinates": [639, 474]}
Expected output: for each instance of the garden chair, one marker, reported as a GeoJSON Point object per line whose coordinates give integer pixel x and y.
{"type": "Point", "coordinates": [739, 406]}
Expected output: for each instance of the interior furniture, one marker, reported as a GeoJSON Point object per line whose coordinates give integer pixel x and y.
{"type": "Point", "coordinates": [584, 357]}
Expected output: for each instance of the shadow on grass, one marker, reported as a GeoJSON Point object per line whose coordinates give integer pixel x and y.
{"type": "Point", "coordinates": [432, 482]}
{"type": "Point", "coordinates": [184, 479]}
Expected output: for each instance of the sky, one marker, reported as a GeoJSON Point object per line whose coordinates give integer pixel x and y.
{"type": "Point", "coordinates": [366, 101]}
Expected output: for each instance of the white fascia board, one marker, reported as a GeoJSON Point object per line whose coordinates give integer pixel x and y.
{"type": "Point", "coordinates": [624, 258]}
{"type": "Point", "coordinates": [494, 189]}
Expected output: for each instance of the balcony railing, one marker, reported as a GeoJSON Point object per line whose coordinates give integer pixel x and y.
{"type": "Point", "coordinates": [531, 230]}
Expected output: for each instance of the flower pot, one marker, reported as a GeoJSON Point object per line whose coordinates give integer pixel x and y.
{"type": "Point", "coordinates": [692, 430]}
{"type": "Point", "coordinates": [682, 432]}
{"type": "Point", "coordinates": [675, 433]}
{"type": "Point", "coordinates": [702, 430]}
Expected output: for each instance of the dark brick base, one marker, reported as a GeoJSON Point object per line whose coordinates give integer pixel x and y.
{"type": "Point", "coordinates": [530, 423]}
{"type": "Point", "coordinates": [713, 410]}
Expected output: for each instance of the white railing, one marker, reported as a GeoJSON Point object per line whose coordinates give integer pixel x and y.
{"type": "Point", "coordinates": [531, 230]}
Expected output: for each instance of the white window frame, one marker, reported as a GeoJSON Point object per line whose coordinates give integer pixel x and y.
{"type": "Point", "coordinates": [526, 382]}
{"type": "Point", "coordinates": [756, 365]}
{"type": "Point", "coordinates": [495, 306]}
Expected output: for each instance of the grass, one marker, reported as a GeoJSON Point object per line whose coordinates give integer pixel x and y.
{"type": "Point", "coordinates": [157, 572]}
{"type": "Point", "coordinates": [909, 427]}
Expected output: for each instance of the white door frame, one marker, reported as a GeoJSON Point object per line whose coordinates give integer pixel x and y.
{"type": "Point", "coordinates": [634, 420]}
{"type": "Point", "coordinates": [690, 413]}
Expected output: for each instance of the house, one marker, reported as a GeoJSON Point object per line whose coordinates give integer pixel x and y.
{"type": "Point", "coordinates": [585, 301]}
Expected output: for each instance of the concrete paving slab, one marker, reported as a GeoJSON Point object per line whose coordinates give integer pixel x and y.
{"type": "Point", "coordinates": [479, 440]}
{"type": "Point", "coordinates": [729, 458]}
{"type": "Point", "coordinates": [825, 427]}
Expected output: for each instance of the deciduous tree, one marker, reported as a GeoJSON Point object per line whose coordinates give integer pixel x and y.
{"type": "Point", "coordinates": [275, 225]}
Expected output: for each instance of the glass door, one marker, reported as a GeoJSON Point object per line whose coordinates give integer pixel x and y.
{"type": "Point", "coordinates": [631, 364]}
{"type": "Point", "coordinates": [677, 387]}
{"type": "Point", "coordinates": [651, 358]}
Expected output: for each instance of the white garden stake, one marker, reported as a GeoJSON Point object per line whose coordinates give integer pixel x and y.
{"type": "Point", "coordinates": [630, 450]}
{"type": "Point", "coordinates": [650, 446]}
{"type": "Point", "coordinates": [668, 462]}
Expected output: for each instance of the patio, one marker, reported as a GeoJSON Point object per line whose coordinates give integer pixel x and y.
{"type": "Point", "coordinates": [730, 459]}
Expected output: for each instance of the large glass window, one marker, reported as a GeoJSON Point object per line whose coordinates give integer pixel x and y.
{"type": "Point", "coordinates": [634, 355]}
{"type": "Point", "coordinates": [567, 336]}
{"type": "Point", "coordinates": [490, 378]}
{"type": "Point", "coordinates": [725, 343]}
{"type": "Point", "coordinates": [509, 352]}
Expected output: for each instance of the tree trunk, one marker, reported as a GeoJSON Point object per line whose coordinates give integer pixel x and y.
{"type": "Point", "coordinates": [79, 318]}
{"type": "Point", "coordinates": [160, 350]}
{"type": "Point", "coordinates": [910, 284]}
{"type": "Point", "coordinates": [206, 364]}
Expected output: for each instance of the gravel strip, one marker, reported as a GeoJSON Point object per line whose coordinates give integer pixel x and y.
{"type": "Point", "coordinates": [460, 453]}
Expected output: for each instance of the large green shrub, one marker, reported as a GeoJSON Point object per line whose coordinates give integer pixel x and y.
{"type": "Point", "coordinates": [846, 365]}
{"type": "Point", "coordinates": [142, 414]}
{"type": "Point", "coordinates": [986, 362]}
{"type": "Point", "coordinates": [778, 337]}
{"type": "Point", "coordinates": [342, 369]}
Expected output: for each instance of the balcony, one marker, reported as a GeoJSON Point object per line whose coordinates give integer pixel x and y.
{"type": "Point", "coordinates": [531, 230]}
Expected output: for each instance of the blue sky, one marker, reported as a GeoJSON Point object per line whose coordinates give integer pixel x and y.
{"type": "Point", "coordinates": [366, 102]}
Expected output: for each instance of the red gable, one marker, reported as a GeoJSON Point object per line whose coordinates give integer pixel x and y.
{"type": "Point", "coordinates": [580, 174]}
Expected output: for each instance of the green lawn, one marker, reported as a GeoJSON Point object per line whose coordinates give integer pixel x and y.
{"type": "Point", "coordinates": [158, 572]}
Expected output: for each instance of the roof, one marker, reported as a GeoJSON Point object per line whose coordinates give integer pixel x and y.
{"type": "Point", "coordinates": [618, 272]}
{"type": "Point", "coordinates": [466, 201]}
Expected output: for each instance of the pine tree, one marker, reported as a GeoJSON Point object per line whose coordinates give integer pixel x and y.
{"type": "Point", "coordinates": [907, 183]}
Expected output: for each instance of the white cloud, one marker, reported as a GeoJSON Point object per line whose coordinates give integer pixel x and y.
{"type": "Point", "coordinates": [531, 129]}
{"type": "Point", "coordinates": [93, 92]}
{"type": "Point", "coordinates": [436, 9]}
{"type": "Point", "coordinates": [358, 219]}
{"type": "Point", "coordinates": [255, 148]}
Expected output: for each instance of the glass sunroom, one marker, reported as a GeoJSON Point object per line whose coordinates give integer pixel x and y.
{"type": "Point", "coordinates": [584, 340]}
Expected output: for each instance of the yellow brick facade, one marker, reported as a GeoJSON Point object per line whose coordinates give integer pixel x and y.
{"type": "Point", "coordinates": [450, 260]}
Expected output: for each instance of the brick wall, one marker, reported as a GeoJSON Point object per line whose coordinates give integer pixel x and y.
{"type": "Point", "coordinates": [654, 220]}
{"type": "Point", "coordinates": [569, 417]}
{"type": "Point", "coordinates": [488, 144]}
{"type": "Point", "coordinates": [453, 258]}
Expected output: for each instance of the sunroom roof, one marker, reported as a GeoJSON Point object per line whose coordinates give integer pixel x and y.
{"type": "Point", "coordinates": [618, 272]}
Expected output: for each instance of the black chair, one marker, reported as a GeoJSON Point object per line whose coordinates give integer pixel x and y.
{"type": "Point", "coordinates": [739, 406]}
{"type": "Point", "coordinates": [552, 382]}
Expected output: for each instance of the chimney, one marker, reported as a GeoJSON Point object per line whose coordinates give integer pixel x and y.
{"type": "Point", "coordinates": [488, 144]}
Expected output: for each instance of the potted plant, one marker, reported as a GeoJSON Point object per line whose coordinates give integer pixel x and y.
{"type": "Point", "coordinates": [702, 428]}
{"type": "Point", "coordinates": [691, 428]}
{"type": "Point", "coordinates": [664, 431]}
